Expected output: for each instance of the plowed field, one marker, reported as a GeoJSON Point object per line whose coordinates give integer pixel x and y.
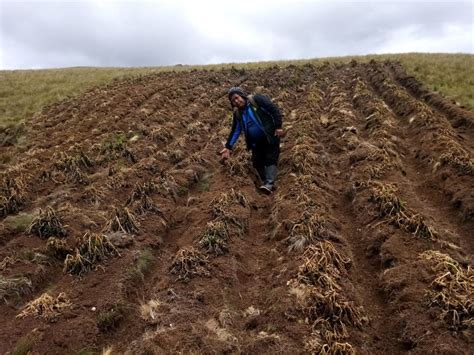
{"type": "Point", "coordinates": [121, 228]}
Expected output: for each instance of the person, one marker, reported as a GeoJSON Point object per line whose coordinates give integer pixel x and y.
{"type": "Point", "coordinates": [261, 121]}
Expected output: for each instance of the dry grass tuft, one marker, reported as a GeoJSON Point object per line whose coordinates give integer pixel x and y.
{"type": "Point", "coordinates": [92, 249]}
{"type": "Point", "coordinates": [14, 287]}
{"type": "Point", "coordinates": [149, 310]}
{"type": "Point", "coordinates": [460, 160]}
{"type": "Point", "coordinates": [142, 201]}
{"type": "Point", "coordinates": [390, 206]}
{"type": "Point", "coordinates": [189, 262]}
{"type": "Point", "coordinates": [452, 290]}
{"type": "Point", "coordinates": [46, 307]}
{"type": "Point", "coordinates": [175, 155]}
{"type": "Point", "coordinates": [306, 230]}
{"type": "Point", "coordinates": [214, 238]}
{"type": "Point", "coordinates": [238, 165]}
{"type": "Point", "coordinates": [58, 248]}
{"type": "Point", "coordinates": [142, 190]}
{"type": "Point", "coordinates": [329, 305]}
{"type": "Point", "coordinates": [93, 195]}
{"type": "Point", "coordinates": [166, 185]}
{"type": "Point", "coordinates": [221, 203]}
{"type": "Point", "coordinates": [73, 166]}
{"type": "Point", "coordinates": [12, 195]}
{"type": "Point", "coordinates": [322, 265]}
{"type": "Point", "coordinates": [123, 221]}
{"type": "Point", "coordinates": [321, 298]}
{"type": "Point", "coordinates": [222, 206]}
{"type": "Point", "coordinates": [302, 159]}
{"type": "Point", "coordinates": [161, 135]}
{"type": "Point", "coordinates": [322, 343]}
{"type": "Point", "coordinates": [194, 127]}
{"type": "Point", "coordinates": [47, 224]}
{"type": "Point", "coordinates": [146, 204]}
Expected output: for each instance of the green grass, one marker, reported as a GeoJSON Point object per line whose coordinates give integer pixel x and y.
{"type": "Point", "coordinates": [24, 92]}
{"type": "Point", "coordinates": [141, 267]}
{"type": "Point", "coordinates": [24, 345]}
{"type": "Point", "coordinates": [19, 223]}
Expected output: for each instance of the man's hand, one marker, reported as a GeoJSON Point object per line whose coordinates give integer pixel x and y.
{"type": "Point", "coordinates": [279, 132]}
{"type": "Point", "coordinates": [225, 153]}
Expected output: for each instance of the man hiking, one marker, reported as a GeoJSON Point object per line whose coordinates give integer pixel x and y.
{"type": "Point", "coordinates": [261, 121]}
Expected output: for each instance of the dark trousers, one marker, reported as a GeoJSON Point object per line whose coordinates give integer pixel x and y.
{"type": "Point", "coordinates": [264, 154]}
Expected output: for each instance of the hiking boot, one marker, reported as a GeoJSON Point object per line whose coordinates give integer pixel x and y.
{"type": "Point", "coordinates": [270, 177]}
{"type": "Point", "coordinates": [266, 189]}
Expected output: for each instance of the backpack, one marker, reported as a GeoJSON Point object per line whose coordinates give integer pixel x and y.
{"type": "Point", "coordinates": [252, 100]}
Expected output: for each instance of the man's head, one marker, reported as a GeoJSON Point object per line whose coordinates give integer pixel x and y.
{"type": "Point", "coordinates": [237, 97]}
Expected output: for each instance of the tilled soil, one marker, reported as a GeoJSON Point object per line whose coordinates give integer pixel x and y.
{"type": "Point", "coordinates": [119, 209]}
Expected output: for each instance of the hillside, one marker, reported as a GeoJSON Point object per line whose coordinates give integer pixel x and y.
{"type": "Point", "coordinates": [121, 231]}
{"type": "Point", "coordinates": [25, 92]}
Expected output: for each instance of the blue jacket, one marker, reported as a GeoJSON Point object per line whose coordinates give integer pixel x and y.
{"type": "Point", "coordinates": [268, 117]}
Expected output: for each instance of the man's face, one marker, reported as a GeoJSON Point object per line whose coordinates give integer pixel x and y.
{"type": "Point", "coordinates": [237, 101]}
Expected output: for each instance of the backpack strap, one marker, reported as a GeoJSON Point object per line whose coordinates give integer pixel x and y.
{"type": "Point", "coordinates": [252, 101]}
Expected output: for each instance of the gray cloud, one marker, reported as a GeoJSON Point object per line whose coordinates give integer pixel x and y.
{"type": "Point", "coordinates": [37, 34]}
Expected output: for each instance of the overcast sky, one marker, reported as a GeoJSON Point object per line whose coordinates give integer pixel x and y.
{"type": "Point", "coordinates": [48, 34]}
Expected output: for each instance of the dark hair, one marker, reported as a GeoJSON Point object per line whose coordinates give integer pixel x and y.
{"type": "Point", "coordinates": [238, 91]}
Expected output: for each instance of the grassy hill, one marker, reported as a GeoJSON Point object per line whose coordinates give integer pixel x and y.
{"type": "Point", "coordinates": [24, 92]}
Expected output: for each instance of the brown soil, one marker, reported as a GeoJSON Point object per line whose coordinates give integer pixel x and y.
{"type": "Point", "coordinates": [376, 174]}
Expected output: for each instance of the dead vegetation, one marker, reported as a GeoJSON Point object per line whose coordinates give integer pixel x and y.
{"type": "Point", "coordinates": [395, 210]}
{"type": "Point", "coordinates": [239, 164]}
{"type": "Point", "coordinates": [149, 311]}
{"type": "Point", "coordinates": [302, 159]}
{"type": "Point", "coordinates": [46, 307]}
{"type": "Point", "coordinates": [225, 210]}
{"type": "Point", "coordinates": [309, 228]}
{"type": "Point", "coordinates": [115, 147]}
{"type": "Point", "coordinates": [47, 224]}
{"type": "Point", "coordinates": [122, 221]}
{"type": "Point", "coordinates": [451, 290]}
{"type": "Point", "coordinates": [175, 155]}
{"type": "Point", "coordinates": [14, 287]}
{"type": "Point", "coordinates": [214, 238]}
{"type": "Point", "coordinates": [189, 262]}
{"type": "Point", "coordinates": [166, 185]}
{"type": "Point", "coordinates": [321, 298]}
{"type": "Point", "coordinates": [73, 166]}
{"type": "Point", "coordinates": [12, 195]}
{"type": "Point", "coordinates": [161, 135]}
{"type": "Point", "coordinates": [321, 260]}
{"type": "Point", "coordinates": [141, 190]}
{"type": "Point", "coordinates": [58, 248]}
{"type": "Point", "coordinates": [92, 249]}
{"type": "Point", "coordinates": [460, 160]}
{"type": "Point", "coordinates": [94, 195]}
{"type": "Point", "coordinates": [142, 202]}
{"type": "Point", "coordinates": [220, 204]}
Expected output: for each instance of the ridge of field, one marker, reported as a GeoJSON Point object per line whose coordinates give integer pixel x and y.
{"type": "Point", "coordinates": [24, 92]}
{"type": "Point", "coordinates": [121, 232]}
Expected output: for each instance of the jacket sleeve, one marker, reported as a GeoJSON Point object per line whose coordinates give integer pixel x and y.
{"type": "Point", "coordinates": [270, 108]}
{"type": "Point", "coordinates": [234, 134]}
